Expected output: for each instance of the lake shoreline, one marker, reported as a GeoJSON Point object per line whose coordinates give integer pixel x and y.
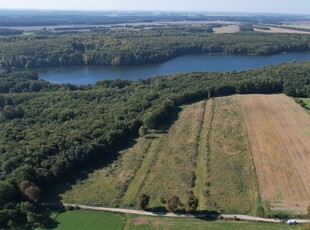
{"type": "Point", "coordinates": [90, 74]}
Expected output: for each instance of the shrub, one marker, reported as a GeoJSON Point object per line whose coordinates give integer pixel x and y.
{"type": "Point", "coordinates": [173, 203]}
{"type": "Point", "coordinates": [143, 201]}
{"type": "Point", "coordinates": [260, 211]}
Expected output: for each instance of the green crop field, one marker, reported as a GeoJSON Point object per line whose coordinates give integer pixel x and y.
{"type": "Point", "coordinates": [91, 220]}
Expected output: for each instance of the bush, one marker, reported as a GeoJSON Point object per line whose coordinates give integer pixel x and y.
{"type": "Point", "coordinates": [192, 203]}
{"type": "Point", "coordinates": [173, 203]}
{"type": "Point", "coordinates": [300, 102]}
{"type": "Point", "coordinates": [143, 201]}
{"type": "Point", "coordinates": [33, 193]}
{"type": "Point", "coordinates": [260, 211]}
{"type": "Point", "coordinates": [162, 200]}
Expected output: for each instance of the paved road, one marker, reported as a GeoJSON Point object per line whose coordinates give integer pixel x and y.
{"type": "Point", "coordinates": [145, 213]}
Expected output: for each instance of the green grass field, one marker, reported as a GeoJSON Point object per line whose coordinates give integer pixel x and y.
{"type": "Point", "coordinates": [307, 101]}
{"type": "Point", "coordinates": [91, 220]}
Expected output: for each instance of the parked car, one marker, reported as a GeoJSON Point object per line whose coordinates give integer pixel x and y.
{"type": "Point", "coordinates": [291, 222]}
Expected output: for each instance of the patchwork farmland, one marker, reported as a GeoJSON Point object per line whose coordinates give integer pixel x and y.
{"type": "Point", "coordinates": [228, 151]}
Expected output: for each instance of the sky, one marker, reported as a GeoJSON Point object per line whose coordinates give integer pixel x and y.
{"type": "Point", "coordinates": [259, 6]}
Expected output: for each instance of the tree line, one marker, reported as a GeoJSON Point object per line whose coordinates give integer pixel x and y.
{"type": "Point", "coordinates": [137, 47]}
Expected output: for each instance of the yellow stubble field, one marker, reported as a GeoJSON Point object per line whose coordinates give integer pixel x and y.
{"type": "Point", "coordinates": [279, 133]}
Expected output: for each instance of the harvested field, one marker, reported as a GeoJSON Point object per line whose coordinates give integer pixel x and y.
{"type": "Point", "coordinates": [279, 133]}
{"type": "Point", "coordinates": [226, 29]}
{"type": "Point", "coordinates": [282, 30]}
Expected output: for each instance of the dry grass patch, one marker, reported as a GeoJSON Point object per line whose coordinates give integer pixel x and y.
{"type": "Point", "coordinates": [132, 193]}
{"type": "Point", "coordinates": [231, 185]}
{"type": "Point", "coordinates": [173, 171]}
{"type": "Point", "coordinates": [107, 186]}
{"type": "Point", "coordinates": [279, 133]}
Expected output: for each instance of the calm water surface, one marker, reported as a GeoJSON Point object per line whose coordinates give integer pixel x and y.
{"type": "Point", "coordinates": [186, 63]}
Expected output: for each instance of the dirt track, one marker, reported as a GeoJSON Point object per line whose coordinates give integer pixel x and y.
{"type": "Point", "coordinates": [279, 134]}
{"type": "Point", "coordinates": [164, 214]}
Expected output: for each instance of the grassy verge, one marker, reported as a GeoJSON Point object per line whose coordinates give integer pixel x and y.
{"type": "Point", "coordinates": [201, 162]}
{"type": "Point", "coordinates": [307, 102]}
{"type": "Point", "coordinates": [91, 220]}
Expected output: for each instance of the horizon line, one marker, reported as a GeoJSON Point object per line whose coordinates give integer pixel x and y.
{"type": "Point", "coordinates": [150, 11]}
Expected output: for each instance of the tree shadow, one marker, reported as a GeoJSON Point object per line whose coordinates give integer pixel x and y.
{"type": "Point", "coordinates": [151, 137]}
{"type": "Point", "coordinates": [170, 120]}
{"type": "Point", "coordinates": [159, 209]}
{"type": "Point", "coordinates": [49, 222]}
{"type": "Point", "coordinates": [207, 215]}
{"type": "Point", "coordinates": [202, 215]}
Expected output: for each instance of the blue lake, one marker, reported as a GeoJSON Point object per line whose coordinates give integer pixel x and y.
{"type": "Point", "coordinates": [186, 63]}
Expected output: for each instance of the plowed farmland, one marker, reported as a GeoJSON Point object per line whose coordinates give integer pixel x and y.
{"type": "Point", "coordinates": [279, 133]}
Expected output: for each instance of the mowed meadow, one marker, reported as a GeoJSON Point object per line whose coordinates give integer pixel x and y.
{"type": "Point", "coordinates": [231, 152]}
{"type": "Point", "coordinates": [92, 220]}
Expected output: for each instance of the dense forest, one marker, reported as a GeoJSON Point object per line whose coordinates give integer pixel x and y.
{"type": "Point", "coordinates": [9, 32]}
{"type": "Point", "coordinates": [135, 47]}
{"type": "Point", "coordinates": [46, 130]}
